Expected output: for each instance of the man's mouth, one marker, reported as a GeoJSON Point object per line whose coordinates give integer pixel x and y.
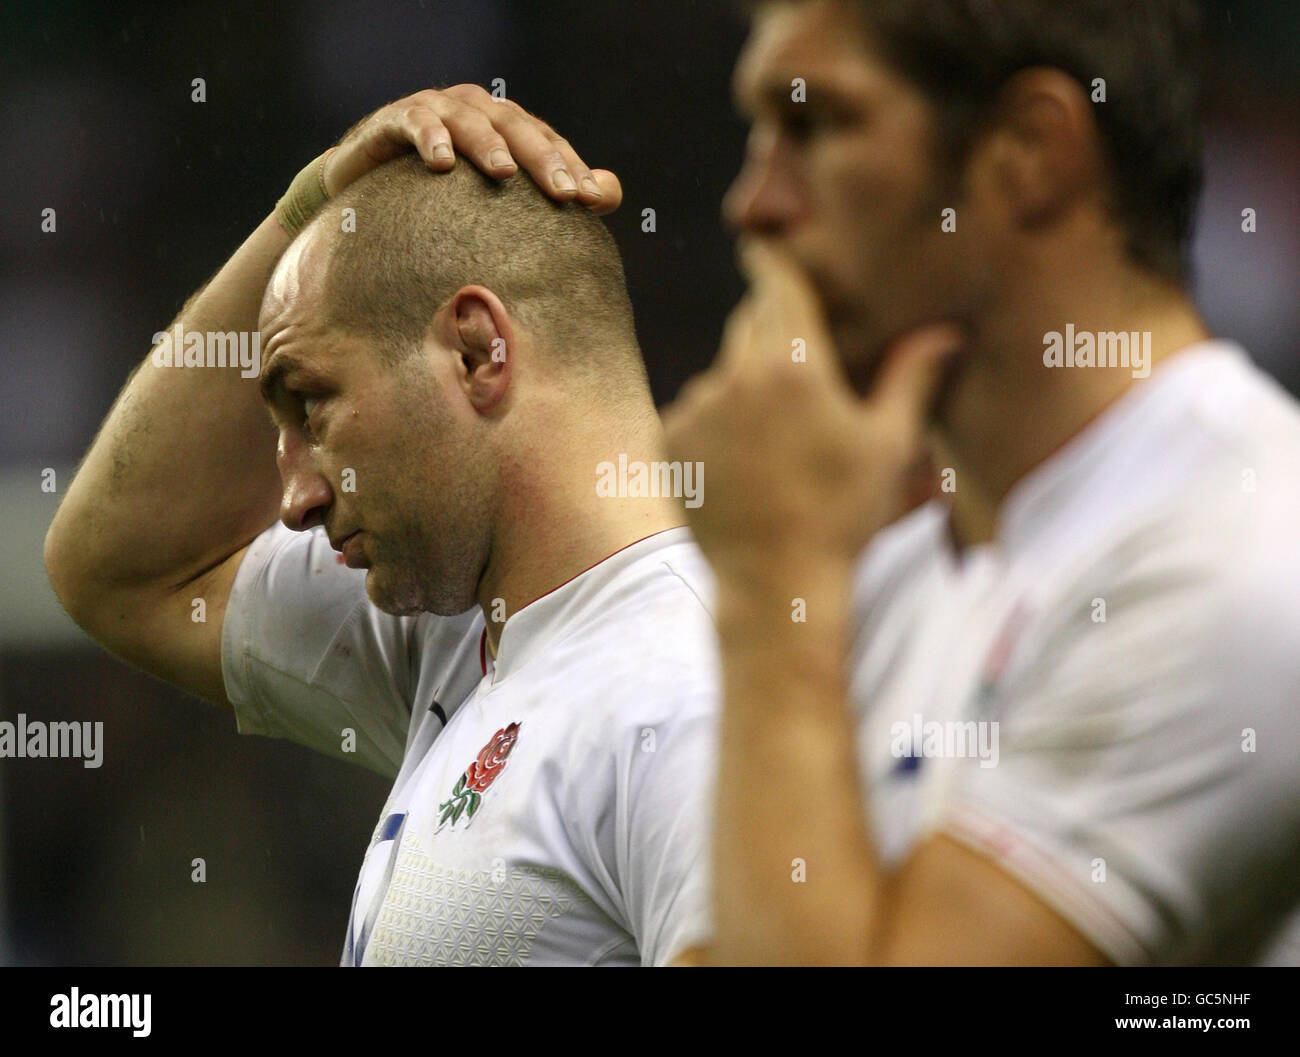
{"type": "Point", "coordinates": [351, 550]}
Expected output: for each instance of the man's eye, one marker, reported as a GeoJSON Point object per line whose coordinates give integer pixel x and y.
{"type": "Point", "coordinates": [797, 126]}
{"type": "Point", "coordinates": [805, 125]}
{"type": "Point", "coordinates": [309, 405]}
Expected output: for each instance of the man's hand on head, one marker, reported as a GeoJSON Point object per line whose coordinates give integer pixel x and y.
{"type": "Point", "coordinates": [497, 135]}
{"type": "Point", "coordinates": [799, 468]}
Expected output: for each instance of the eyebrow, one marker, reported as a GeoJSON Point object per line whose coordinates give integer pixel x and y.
{"type": "Point", "coordinates": [774, 93]}
{"type": "Point", "coordinates": [273, 374]}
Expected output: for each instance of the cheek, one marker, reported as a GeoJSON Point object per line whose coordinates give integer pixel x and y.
{"type": "Point", "coordinates": [362, 454]}
{"type": "Point", "coordinates": [869, 227]}
{"type": "Point", "coordinates": [869, 203]}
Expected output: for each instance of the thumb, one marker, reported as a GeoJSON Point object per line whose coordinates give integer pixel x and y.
{"type": "Point", "coordinates": [913, 372]}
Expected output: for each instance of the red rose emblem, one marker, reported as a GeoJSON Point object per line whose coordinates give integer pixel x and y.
{"type": "Point", "coordinates": [483, 772]}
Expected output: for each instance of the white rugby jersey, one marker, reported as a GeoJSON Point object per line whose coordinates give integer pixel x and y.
{"type": "Point", "coordinates": [1134, 631]}
{"type": "Point", "coordinates": [548, 808]}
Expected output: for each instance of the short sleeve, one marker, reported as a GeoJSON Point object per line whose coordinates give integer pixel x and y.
{"type": "Point", "coordinates": [307, 656]}
{"type": "Point", "coordinates": [666, 866]}
{"type": "Point", "coordinates": [1147, 785]}
{"type": "Point", "coordinates": [636, 781]}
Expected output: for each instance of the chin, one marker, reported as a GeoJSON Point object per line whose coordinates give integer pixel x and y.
{"type": "Point", "coordinates": [409, 598]}
{"type": "Point", "coordinates": [397, 601]}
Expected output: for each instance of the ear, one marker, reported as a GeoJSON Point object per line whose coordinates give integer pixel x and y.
{"type": "Point", "coordinates": [1045, 148]}
{"type": "Point", "coordinates": [479, 328]}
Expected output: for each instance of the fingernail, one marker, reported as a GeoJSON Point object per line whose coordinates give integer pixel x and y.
{"type": "Point", "coordinates": [442, 152]}
{"type": "Point", "coordinates": [500, 159]}
{"type": "Point", "coordinates": [591, 187]}
{"type": "Point", "coordinates": [562, 181]}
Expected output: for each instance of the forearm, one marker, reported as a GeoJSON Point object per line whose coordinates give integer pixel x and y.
{"type": "Point", "coordinates": [182, 473]}
{"type": "Point", "coordinates": [788, 779]}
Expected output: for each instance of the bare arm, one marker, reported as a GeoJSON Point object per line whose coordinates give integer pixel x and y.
{"type": "Point", "coordinates": [182, 475]}
{"type": "Point", "coordinates": [179, 480]}
{"type": "Point", "coordinates": [183, 471]}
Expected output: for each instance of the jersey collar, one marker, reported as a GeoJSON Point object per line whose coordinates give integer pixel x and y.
{"type": "Point", "coordinates": [549, 618]}
{"type": "Point", "coordinates": [1117, 460]}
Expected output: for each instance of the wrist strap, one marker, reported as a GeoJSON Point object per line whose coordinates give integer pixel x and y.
{"type": "Point", "coordinates": [304, 198]}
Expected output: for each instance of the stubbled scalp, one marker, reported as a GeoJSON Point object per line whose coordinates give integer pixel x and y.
{"type": "Point", "coordinates": [420, 236]}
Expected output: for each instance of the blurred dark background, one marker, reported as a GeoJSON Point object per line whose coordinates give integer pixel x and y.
{"type": "Point", "coordinates": [154, 191]}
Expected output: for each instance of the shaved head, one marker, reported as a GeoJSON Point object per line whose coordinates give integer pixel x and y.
{"type": "Point", "coordinates": [421, 236]}
{"type": "Point", "coordinates": [401, 432]}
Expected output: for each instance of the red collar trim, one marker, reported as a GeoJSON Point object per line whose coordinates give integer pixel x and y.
{"type": "Point", "coordinates": [482, 644]}
{"type": "Point", "coordinates": [602, 562]}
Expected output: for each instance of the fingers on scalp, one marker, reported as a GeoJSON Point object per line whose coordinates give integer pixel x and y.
{"type": "Point", "coordinates": [588, 186]}
{"type": "Point", "coordinates": [548, 156]}
{"type": "Point", "coordinates": [536, 152]}
{"type": "Point", "coordinates": [427, 133]}
{"type": "Point", "coordinates": [548, 152]}
{"type": "Point", "coordinates": [611, 192]}
{"type": "Point", "coordinates": [562, 175]}
{"type": "Point", "coordinates": [476, 137]}
{"type": "Point", "coordinates": [544, 154]}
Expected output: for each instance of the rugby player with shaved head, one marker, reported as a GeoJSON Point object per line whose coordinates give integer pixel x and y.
{"type": "Point", "coordinates": [449, 358]}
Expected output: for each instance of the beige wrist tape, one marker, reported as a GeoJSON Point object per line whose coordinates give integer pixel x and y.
{"type": "Point", "coordinates": [304, 198]}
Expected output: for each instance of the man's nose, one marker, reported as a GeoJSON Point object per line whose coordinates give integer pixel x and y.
{"type": "Point", "coordinates": [764, 199]}
{"type": "Point", "coordinates": [307, 494]}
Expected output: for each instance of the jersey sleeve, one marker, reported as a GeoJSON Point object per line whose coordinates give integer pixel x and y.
{"type": "Point", "coordinates": [663, 856]}
{"type": "Point", "coordinates": [306, 655]}
{"type": "Point", "coordinates": [1147, 786]}
{"type": "Point", "coordinates": [637, 781]}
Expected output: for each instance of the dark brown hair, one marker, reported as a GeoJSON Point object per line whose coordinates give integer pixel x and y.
{"type": "Point", "coordinates": [960, 53]}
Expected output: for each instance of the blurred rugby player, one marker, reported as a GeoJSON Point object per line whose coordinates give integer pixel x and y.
{"type": "Point", "coordinates": [1049, 716]}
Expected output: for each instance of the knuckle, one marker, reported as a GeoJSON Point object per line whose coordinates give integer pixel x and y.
{"type": "Point", "coordinates": [468, 93]}
{"type": "Point", "coordinates": [467, 118]}
{"type": "Point", "coordinates": [505, 118]}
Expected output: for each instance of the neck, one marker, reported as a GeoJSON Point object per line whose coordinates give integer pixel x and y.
{"type": "Point", "coordinates": [1011, 411]}
{"type": "Point", "coordinates": [553, 524]}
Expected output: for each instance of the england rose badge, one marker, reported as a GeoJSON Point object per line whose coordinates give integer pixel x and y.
{"type": "Point", "coordinates": [470, 787]}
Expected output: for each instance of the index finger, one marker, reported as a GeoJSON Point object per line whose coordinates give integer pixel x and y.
{"type": "Point", "coordinates": [788, 316]}
{"type": "Point", "coordinates": [542, 152]}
